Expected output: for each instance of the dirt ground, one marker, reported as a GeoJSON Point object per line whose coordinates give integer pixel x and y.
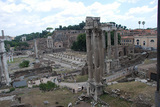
{"type": "Point", "coordinates": [35, 97]}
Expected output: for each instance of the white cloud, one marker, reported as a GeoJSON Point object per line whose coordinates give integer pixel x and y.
{"type": "Point", "coordinates": [153, 1]}
{"type": "Point", "coordinates": [141, 10]}
{"type": "Point", "coordinates": [28, 16]}
{"type": "Point", "coordinates": [129, 1]}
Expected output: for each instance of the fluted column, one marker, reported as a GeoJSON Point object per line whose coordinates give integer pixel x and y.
{"type": "Point", "coordinates": [5, 68]}
{"type": "Point", "coordinates": [116, 44]}
{"type": "Point", "coordinates": [89, 54]}
{"type": "Point", "coordinates": [109, 44]}
{"type": "Point", "coordinates": [1, 68]}
{"type": "Point", "coordinates": [35, 47]}
{"type": "Point", "coordinates": [103, 53]}
{"type": "Point", "coordinates": [96, 55]}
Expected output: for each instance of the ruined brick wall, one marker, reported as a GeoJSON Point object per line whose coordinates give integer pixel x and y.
{"type": "Point", "coordinates": [32, 72]}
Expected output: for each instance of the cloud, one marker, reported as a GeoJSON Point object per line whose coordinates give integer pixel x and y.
{"type": "Point", "coordinates": [26, 16]}
{"type": "Point", "coordinates": [141, 10]}
{"type": "Point", "coordinates": [153, 2]}
{"type": "Point", "coordinates": [129, 1]}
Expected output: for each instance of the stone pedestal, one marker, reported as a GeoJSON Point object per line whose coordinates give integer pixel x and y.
{"type": "Point", "coordinates": [108, 65]}
{"type": "Point", "coordinates": [94, 90]}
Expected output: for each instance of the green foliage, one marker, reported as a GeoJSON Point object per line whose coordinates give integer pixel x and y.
{"type": "Point", "coordinates": [49, 28]}
{"type": "Point", "coordinates": [80, 44]}
{"type": "Point", "coordinates": [16, 44]}
{"type": "Point", "coordinates": [24, 64]}
{"type": "Point", "coordinates": [11, 89]}
{"type": "Point", "coordinates": [112, 38]}
{"type": "Point", "coordinates": [48, 86]}
{"type": "Point", "coordinates": [70, 27]}
{"type": "Point", "coordinates": [33, 35]}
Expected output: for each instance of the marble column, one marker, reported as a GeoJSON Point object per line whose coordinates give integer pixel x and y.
{"type": "Point", "coordinates": [12, 57]}
{"type": "Point", "coordinates": [96, 55]}
{"type": "Point", "coordinates": [35, 47]}
{"type": "Point", "coordinates": [103, 53]}
{"type": "Point", "coordinates": [116, 44]}
{"type": "Point", "coordinates": [89, 54]}
{"type": "Point", "coordinates": [5, 68]}
{"type": "Point", "coordinates": [109, 44]}
{"type": "Point", "coordinates": [9, 58]}
{"type": "Point", "coordinates": [1, 68]}
{"type": "Point", "coordinates": [2, 34]}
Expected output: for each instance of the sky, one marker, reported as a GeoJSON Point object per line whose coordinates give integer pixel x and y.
{"type": "Point", "coordinates": [26, 16]}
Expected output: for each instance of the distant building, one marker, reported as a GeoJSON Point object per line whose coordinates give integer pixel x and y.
{"type": "Point", "coordinates": [146, 42]}
{"type": "Point", "coordinates": [66, 36]}
{"type": "Point", "coordinates": [139, 32]}
{"type": "Point", "coordinates": [23, 38]}
{"type": "Point", "coordinates": [127, 40]}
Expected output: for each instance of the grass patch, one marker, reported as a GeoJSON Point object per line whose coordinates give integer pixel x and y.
{"type": "Point", "coordinates": [148, 61]}
{"type": "Point", "coordinates": [47, 86]}
{"type": "Point", "coordinates": [135, 89]}
{"type": "Point", "coordinates": [62, 96]}
{"type": "Point", "coordinates": [5, 103]}
{"type": "Point", "coordinates": [16, 60]}
{"type": "Point", "coordinates": [115, 102]}
{"type": "Point", "coordinates": [78, 78]}
{"type": "Point", "coordinates": [81, 78]}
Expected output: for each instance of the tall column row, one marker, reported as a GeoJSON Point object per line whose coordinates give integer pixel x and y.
{"type": "Point", "coordinates": [115, 44]}
{"type": "Point", "coordinates": [95, 40]}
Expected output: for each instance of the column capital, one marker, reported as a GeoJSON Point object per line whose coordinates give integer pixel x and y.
{"type": "Point", "coordinates": [88, 32]}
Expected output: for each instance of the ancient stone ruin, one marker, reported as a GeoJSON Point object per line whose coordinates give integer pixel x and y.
{"type": "Point", "coordinates": [95, 40]}
{"type": "Point", "coordinates": [4, 75]}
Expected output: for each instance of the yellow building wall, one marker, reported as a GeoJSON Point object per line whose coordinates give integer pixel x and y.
{"type": "Point", "coordinates": [147, 40]}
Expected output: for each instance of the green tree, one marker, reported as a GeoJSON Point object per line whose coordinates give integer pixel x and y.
{"type": "Point", "coordinates": [112, 38]}
{"type": "Point", "coordinates": [49, 28]}
{"type": "Point", "coordinates": [80, 44]}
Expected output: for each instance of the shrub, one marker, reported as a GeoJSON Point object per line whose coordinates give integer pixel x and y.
{"type": "Point", "coordinates": [47, 86]}
{"type": "Point", "coordinates": [25, 63]}
{"type": "Point", "coordinates": [11, 89]}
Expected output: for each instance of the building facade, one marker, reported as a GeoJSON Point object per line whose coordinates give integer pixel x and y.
{"type": "Point", "coordinates": [146, 42]}
{"type": "Point", "coordinates": [127, 40]}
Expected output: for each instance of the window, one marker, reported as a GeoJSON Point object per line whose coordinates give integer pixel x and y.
{"type": "Point", "coordinates": [152, 40]}
{"type": "Point", "coordinates": [137, 41]}
{"type": "Point", "coordinates": [144, 43]}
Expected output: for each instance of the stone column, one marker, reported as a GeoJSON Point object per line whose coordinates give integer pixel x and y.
{"type": "Point", "coordinates": [1, 68]}
{"type": "Point", "coordinates": [9, 59]}
{"type": "Point", "coordinates": [96, 55]}
{"type": "Point", "coordinates": [109, 44]}
{"type": "Point", "coordinates": [2, 34]}
{"type": "Point", "coordinates": [116, 44]}
{"type": "Point", "coordinates": [5, 68]}
{"type": "Point", "coordinates": [103, 52]}
{"type": "Point", "coordinates": [12, 57]}
{"type": "Point", "coordinates": [89, 54]}
{"type": "Point", "coordinates": [35, 47]}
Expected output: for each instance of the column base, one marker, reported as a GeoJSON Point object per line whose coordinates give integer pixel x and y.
{"type": "Point", "coordinates": [94, 90]}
